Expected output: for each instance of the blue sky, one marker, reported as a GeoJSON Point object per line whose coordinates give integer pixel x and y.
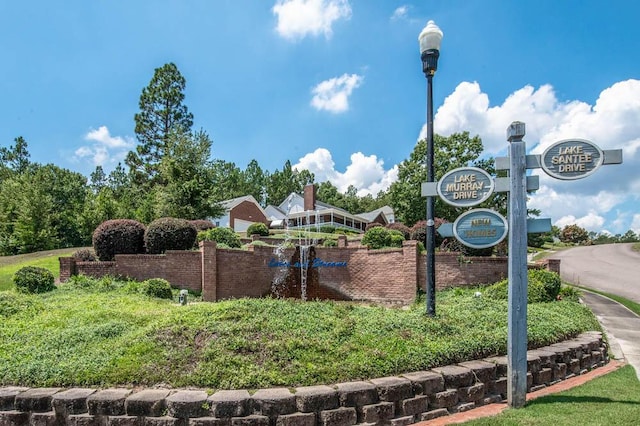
{"type": "Point", "coordinates": [335, 86]}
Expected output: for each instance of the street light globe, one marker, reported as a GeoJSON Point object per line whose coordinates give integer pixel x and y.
{"type": "Point", "coordinates": [430, 37]}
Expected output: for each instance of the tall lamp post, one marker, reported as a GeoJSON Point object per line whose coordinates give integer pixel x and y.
{"type": "Point", "coordinates": [430, 38]}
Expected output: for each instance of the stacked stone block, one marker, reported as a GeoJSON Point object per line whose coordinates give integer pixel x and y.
{"type": "Point", "coordinates": [394, 401]}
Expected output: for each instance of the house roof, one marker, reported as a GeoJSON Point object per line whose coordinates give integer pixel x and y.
{"type": "Point", "coordinates": [370, 216]}
{"type": "Point", "coordinates": [228, 205]}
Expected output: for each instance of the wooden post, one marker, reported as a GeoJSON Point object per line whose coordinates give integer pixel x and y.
{"type": "Point", "coordinates": [517, 321]}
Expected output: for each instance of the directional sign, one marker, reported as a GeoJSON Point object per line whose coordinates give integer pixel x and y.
{"type": "Point", "coordinates": [480, 228]}
{"type": "Point", "coordinates": [572, 159]}
{"type": "Point", "coordinates": [465, 186]}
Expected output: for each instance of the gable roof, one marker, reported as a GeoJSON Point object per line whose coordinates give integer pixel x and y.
{"type": "Point", "coordinates": [228, 205]}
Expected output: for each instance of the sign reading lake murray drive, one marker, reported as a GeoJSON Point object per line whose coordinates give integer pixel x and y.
{"type": "Point", "coordinates": [480, 228]}
{"type": "Point", "coordinates": [465, 186]}
{"type": "Point", "coordinates": [571, 159]}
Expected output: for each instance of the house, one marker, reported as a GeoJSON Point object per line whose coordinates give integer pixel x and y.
{"type": "Point", "coordinates": [297, 211]}
{"type": "Point", "coordinates": [241, 212]}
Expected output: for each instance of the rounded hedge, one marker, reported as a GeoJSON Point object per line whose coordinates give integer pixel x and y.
{"type": "Point", "coordinates": [404, 229]}
{"type": "Point", "coordinates": [34, 279]}
{"type": "Point", "coordinates": [169, 233]}
{"type": "Point", "coordinates": [118, 236]}
{"type": "Point", "coordinates": [157, 287]}
{"type": "Point", "coordinates": [222, 236]}
{"type": "Point", "coordinates": [377, 237]}
{"type": "Point", "coordinates": [258, 228]}
{"type": "Point", "coordinates": [541, 287]}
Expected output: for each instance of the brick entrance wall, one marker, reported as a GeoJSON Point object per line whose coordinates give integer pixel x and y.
{"type": "Point", "coordinates": [343, 272]}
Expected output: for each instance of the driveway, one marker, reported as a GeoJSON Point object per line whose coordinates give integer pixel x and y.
{"type": "Point", "coordinates": [615, 269]}
{"type": "Point", "coordinates": [612, 268]}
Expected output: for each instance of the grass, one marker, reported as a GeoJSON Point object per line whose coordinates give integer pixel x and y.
{"type": "Point", "coordinates": [104, 332]}
{"type": "Point", "coordinates": [613, 399]}
{"type": "Point", "coordinates": [44, 259]}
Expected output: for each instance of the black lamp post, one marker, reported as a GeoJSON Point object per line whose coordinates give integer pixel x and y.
{"type": "Point", "coordinates": [430, 38]}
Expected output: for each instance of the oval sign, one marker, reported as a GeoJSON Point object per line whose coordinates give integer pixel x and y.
{"type": "Point", "coordinates": [571, 159]}
{"type": "Point", "coordinates": [480, 228]}
{"type": "Point", "coordinates": [465, 186]}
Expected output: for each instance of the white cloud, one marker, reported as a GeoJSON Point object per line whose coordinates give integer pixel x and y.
{"type": "Point", "coordinates": [612, 123]}
{"type": "Point", "coordinates": [299, 18]}
{"type": "Point", "coordinates": [365, 172]}
{"type": "Point", "coordinates": [106, 149]}
{"type": "Point", "coordinates": [333, 95]}
{"type": "Point", "coordinates": [400, 13]}
{"type": "Point", "coordinates": [635, 223]}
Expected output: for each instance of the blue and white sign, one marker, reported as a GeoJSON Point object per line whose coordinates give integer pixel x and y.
{"type": "Point", "coordinates": [465, 186]}
{"type": "Point", "coordinates": [480, 228]}
{"type": "Point", "coordinates": [572, 159]}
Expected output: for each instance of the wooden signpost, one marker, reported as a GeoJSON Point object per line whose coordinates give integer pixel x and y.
{"type": "Point", "coordinates": [567, 159]}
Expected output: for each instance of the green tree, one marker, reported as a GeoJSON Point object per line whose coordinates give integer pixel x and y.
{"type": "Point", "coordinates": [253, 181]}
{"type": "Point", "coordinates": [226, 180]}
{"type": "Point", "coordinates": [162, 113]}
{"type": "Point", "coordinates": [283, 182]}
{"type": "Point", "coordinates": [457, 150]}
{"type": "Point", "coordinates": [14, 159]}
{"type": "Point", "coordinates": [186, 170]}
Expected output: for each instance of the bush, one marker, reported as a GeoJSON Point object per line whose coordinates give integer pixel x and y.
{"type": "Point", "coordinates": [202, 224]}
{"type": "Point", "coordinates": [328, 229]}
{"type": "Point", "coordinates": [550, 280]}
{"type": "Point", "coordinates": [34, 279]}
{"type": "Point", "coordinates": [377, 237]}
{"type": "Point", "coordinates": [395, 238]}
{"type": "Point", "coordinates": [404, 229]}
{"type": "Point", "coordinates": [329, 243]}
{"type": "Point", "coordinates": [541, 287]}
{"type": "Point", "coordinates": [84, 255]}
{"type": "Point", "coordinates": [169, 233]}
{"type": "Point", "coordinates": [157, 287]}
{"type": "Point", "coordinates": [118, 236]}
{"type": "Point", "coordinates": [221, 236]}
{"type": "Point", "coordinates": [258, 228]}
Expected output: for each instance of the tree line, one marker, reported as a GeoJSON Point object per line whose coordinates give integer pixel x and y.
{"type": "Point", "coordinates": [171, 173]}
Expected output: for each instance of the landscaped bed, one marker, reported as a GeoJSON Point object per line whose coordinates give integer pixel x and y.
{"type": "Point", "coordinates": [104, 332]}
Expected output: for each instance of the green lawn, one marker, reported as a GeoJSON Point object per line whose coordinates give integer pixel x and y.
{"type": "Point", "coordinates": [102, 332]}
{"type": "Point", "coordinates": [45, 259]}
{"type": "Point", "coordinates": [613, 399]}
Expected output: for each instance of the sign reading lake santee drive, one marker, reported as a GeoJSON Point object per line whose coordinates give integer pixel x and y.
{"type": "Point", "coordinates": [571, 159]}
{"type": "Point", "coordinates": [465, 186]}
{"type": "Point", "coordinates": [480, 228]}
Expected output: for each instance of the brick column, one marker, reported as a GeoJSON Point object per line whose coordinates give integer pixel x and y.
{"type": "Point", "coordinates": [409, 271]}
{"type": "Point", "coordinates": [67, 268]}
{"type": "Point", "coordinates": [209, 271]}
{"type": "Point", "coordinates": [342, 241]}
{"type": "Point", "coordinates": [553, 265]}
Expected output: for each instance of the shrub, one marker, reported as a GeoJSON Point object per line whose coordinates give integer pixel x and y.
{"type": "Point", "coordinates": [202, 224]}
{"type": "Point", "coordinates": [169, 233]}
{"type": "Point", "coordinates": [329, 243]}
{"type": "Point", "coordinates": [377, 237]}
{"type": "Point", "coordinates": [34, 279]}
{"type": "Point", "coordinates": [550, 280]}
{"type": "Point", "coordinates": [118, 236]}
{"type": "Point", "coordinates": [404, 229]}
{"type": "Point", "coordinates": [84, 255]}
{"type": "Point", "coordinates": [258, 228]}
{"type": "Point", "coordinates": [539, 288]}
{"type": "Point", "coordinates": [221, 236]}
{"type": "Point", "coordinates": [328, 229]}
{"type": "Point", "coordinates": [157, 287]}
{"type": "Point", "coordinates": [395, 238]}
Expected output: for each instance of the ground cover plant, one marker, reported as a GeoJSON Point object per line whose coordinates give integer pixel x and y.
{"type": "Point", "coordinates": [103, 332]}
{"type": "Point", "coordinates": [613, 399]}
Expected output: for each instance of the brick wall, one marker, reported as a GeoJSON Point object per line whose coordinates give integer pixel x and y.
{"type": "Point", "coordinates": [344, 273]}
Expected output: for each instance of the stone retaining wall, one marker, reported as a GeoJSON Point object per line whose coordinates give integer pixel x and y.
{"type": "Point", "coordinates": [400, 400]}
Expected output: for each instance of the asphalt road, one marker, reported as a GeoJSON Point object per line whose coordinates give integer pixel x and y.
{"type": "Point", "coordinates": [613, 268]}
